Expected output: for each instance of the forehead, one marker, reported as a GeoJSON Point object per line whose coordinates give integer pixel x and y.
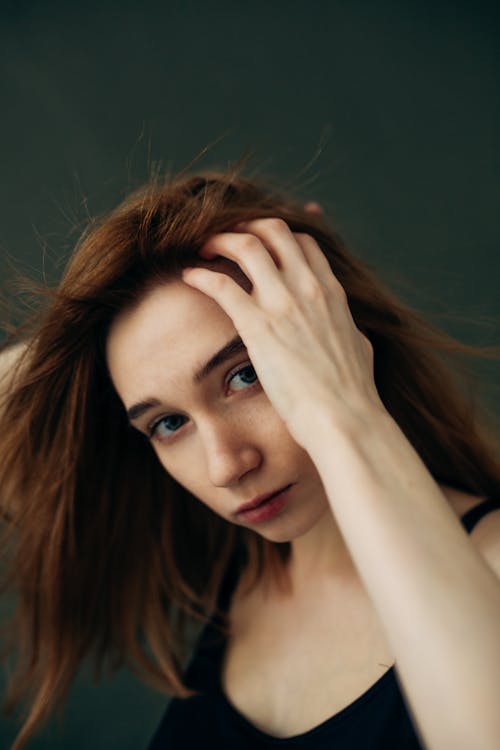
{"type": "Point", "coordinates": [159, 342]}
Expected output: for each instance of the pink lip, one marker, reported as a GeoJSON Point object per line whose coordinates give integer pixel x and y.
{"type": "Point", "coordinates": [259, 499]}
{"type": "Point", "coordinates": [268, 509]}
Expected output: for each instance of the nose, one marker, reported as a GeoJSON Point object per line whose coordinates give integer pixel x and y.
{"type": "Point", "coordinates": [230, 448]}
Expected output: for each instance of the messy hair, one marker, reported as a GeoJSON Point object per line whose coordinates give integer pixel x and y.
{"type": "Point", "coordinates": [110, 557]}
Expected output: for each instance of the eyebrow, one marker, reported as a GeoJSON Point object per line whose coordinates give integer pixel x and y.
{"type": "Point", "coordinates": [228, 351]}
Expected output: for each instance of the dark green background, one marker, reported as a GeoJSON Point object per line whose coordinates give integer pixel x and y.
{"type": "Point", "coordinates": [385, 112]}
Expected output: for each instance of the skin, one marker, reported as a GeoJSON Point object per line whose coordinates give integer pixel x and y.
{"type": "Point", "coordinates": [229, 443]}
{"type": "Point", "coordinates": [226, 442]}
{"type": "Point", "coordinates": [234, 444]}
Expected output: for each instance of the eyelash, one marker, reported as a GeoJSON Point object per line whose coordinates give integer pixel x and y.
{"type": "Point", "coordinates": [151, 428]}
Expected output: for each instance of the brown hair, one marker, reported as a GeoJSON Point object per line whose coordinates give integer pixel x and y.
{"type": "Point", "coordinates": [111, 557]}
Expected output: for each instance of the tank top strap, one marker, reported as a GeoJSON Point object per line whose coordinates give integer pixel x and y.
{"type": "Point", "coordinates": [474, 515]}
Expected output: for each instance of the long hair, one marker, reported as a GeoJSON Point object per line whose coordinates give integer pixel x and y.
{"type": "Point", "coordinates": [111, 558]}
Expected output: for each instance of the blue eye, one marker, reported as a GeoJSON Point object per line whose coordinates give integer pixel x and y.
{"type": "Point", "coordinates": [246, 369]}
{"type": "Point", "coordinates": [166, 426]}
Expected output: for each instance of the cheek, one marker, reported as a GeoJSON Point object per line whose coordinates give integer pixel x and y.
{"type": "Point", "coordinates": [195, 484]}
{"type": "Point", "coordinates": [182, 472]}
{"type": "Point", "coordinates": [173, 468]}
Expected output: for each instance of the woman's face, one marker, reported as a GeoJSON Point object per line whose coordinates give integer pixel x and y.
{"type": "Point", "coordinates": [220, 438]}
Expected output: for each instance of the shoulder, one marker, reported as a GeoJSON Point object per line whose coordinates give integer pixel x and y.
{"type": "Point", "coordinates": [461, 502]}
{"type": "Point", "coordinates": [486, 533]}
{"type": "Point", "coordinates": [9, 356]}
{"type": "Point", "coordinates": [8, 360]}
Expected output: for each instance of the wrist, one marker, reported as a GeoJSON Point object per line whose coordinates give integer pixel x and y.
{"type": "Point", "coordinates": [328, 424]}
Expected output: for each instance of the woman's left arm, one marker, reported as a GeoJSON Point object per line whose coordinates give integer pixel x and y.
{"type": "Point", "coordinates": [435, 595]}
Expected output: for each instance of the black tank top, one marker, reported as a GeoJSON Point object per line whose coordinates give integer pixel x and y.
{"type": "Point", "coordinates": [377, 720]}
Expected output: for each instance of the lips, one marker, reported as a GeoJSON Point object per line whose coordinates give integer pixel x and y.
{"type": "Point", "coordinates": [261, 499]}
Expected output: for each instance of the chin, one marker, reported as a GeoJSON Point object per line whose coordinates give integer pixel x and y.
{"type": "Point", "coordinates": [284, 532]}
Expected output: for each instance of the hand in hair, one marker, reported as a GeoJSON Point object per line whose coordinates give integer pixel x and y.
{"type": "Point", "coordinates": [308, 353]}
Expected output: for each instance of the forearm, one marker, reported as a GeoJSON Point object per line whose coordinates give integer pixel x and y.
{"type": "Point", "coordinates": [436, 597]}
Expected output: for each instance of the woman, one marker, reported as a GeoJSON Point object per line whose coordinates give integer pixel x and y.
{"type": "Point", "coordinates": [353, 609]}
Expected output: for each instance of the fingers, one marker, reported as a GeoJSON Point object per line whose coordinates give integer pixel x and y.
{"type": "Point", "coordinates": [263, 247]}
{"type": "Point", "coordinates": [316, 260]}
{"type": "Point", "coordinates": [248, 252]}
{"type": "Point", "coordinates": [255, 245]}
{"type": "Point", "coordinates": [235, 302]}
{"type": "Point", "coordinates": [253, 238]}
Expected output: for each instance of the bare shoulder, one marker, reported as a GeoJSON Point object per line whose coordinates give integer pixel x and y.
{"type": "Point", "coordinates": [11, 354]}
{"type": "Point", "coordinates": [460, 501]}
{"type": "Point", "coordinates": [8, 359]}
{"type": "Point", "coordinates": [486, 533]}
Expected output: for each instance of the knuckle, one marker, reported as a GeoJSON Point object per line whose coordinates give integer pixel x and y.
{"type": "Point", "coordinates": [312, 288]}
{"type": "Point", "coordinates": [341, 292]}
{"type": "Point", "coordinates": [220, 281]}
{"type": "Point", "coordinates": [249, 243]}
{"type": "Point", "coordinates": [369, 345]}
{"type": "Point", "coordinates": [365, 341]}
{"type": "Point", "coordinates": [277, 224]}
{"type": "Point", "coordinates": [271, 224]}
